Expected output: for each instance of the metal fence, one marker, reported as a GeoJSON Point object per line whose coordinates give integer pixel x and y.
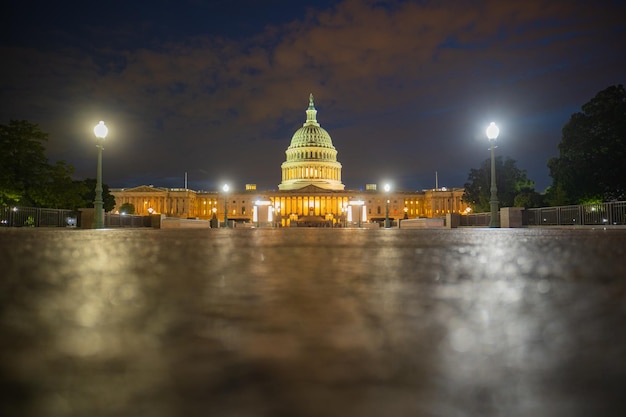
{"type": "Point", "coordinates": [476, 220]}
{"type": "Point", "coordinates": [45, 217]}
{"type": "Point", "coordinates": [126, 220]}
{"type": "Point", "coordinates": [613, 213]}
{"type": "Point", "coordinates": [38, 217]}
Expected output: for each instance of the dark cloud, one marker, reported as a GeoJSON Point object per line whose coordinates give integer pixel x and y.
{"type": "Point", "coordinates": [404, 88]}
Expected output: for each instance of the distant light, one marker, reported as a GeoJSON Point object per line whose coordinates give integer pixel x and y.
{"type": "Point", "coordinates": [387, 188]}
{"type": "Point", "coordinates": [492, 131]}
{"type": "Point", "coordinates": [101, 130]}
{"type": "Point", "coordinates": [225, 188]}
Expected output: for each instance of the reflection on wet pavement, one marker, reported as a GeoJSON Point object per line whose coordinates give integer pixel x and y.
{"type": "Point", "coordinates": [313, 322]}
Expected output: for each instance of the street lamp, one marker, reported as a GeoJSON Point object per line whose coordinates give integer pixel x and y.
{"type": "Point", "coordinates": [225, 188]}
{"type": "Point", "coordinates": [387, 188]}
{"type": "Point", "coordinates": [492, 135]}
{"type": "Point", "coordinates": [101, 132]}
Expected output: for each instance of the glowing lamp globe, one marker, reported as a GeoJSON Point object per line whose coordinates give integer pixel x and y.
{"type": "Point", "coordinates": [492, 131]}
{"type": "Point", "coordinates": [101, 130]}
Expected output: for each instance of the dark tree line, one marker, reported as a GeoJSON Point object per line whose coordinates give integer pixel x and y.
{"type": "Point", "coordinates": [27, 178]}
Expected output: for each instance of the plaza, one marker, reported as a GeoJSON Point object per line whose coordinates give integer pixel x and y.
{"type": "Point", "coordinates": [312, 322]}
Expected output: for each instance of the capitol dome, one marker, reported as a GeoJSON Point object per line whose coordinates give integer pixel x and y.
{"type": "Point", "coordinates": [311, 157]}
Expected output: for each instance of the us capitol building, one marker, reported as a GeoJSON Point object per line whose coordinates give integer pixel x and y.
{"type": "Point", "coordinates": [311, 193]}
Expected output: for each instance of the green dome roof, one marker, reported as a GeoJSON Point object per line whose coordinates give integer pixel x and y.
{"type": "Point", "coordinates": [311, 133]}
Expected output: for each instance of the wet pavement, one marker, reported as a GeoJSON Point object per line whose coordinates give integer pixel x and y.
{"type": "Point", "coordinates": [313, 322]}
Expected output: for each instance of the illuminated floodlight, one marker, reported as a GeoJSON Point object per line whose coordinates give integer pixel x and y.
{"type": "Point", "coordinates": [101, 130]}
{"type": "Point", "coordinates": [492, 131]}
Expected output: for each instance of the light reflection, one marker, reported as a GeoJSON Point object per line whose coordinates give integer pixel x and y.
{"type": "Point", "coordinates": [136, 320]}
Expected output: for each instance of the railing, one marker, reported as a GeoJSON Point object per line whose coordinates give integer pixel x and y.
{"type": "Point", "coordinates": [126, 220]}
{"type": "Point", "coordinates": [476, 220]}
{"type": "Point", "coordinates": [38, 217]}
{"type": "Point", "coordinates": [45, 217]}
{"type": "Point", "coordinates": [613, 213]}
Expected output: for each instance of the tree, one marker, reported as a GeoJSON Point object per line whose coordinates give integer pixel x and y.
{"type": "Point", "coordinates": [510, 180]}
{"type": "Point", "coordinates": [127, 208]}
{"type": "Point", "coordinates": [59, 190]}
{"type": "Point", "coordinates": [23, 165]}
{"type": "Point", "coordinates": [90, 195]}
{"type": "Point", "coordinates": [592, 152]}
{"type": "Point", "coordinates": [529, 198]}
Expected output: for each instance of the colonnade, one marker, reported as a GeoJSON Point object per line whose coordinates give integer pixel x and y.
{"type": "Point", "coordinates": [309, 205]}
{"type": "Point", "coordinates": [312, 172]}
{"type": "Point", "coordinates": [439, 203]}
{"type": "Point", "coordinates": [143, 204]}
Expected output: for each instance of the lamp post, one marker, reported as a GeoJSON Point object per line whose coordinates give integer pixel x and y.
{"type": "Point", "coordinates": [225, 188]}
{"type": "Point", "coordinates": [387, 188]}
{"type": "Point", "coordinates": [101, 132]}
{"type": "Point", "coordinates": [492, 135]}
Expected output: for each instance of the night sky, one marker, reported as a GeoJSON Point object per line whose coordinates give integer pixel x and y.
{"type": "Point", "coordinates": [217, 88]}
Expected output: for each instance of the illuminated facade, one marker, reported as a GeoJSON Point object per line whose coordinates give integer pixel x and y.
{"type": "Point", "coordinates": [311, 157]}
{"type": "Point", "coordinates": [311, 193]}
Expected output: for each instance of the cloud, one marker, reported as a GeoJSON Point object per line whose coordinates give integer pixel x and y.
{"type": "Point", "coordinates": [397, 74]}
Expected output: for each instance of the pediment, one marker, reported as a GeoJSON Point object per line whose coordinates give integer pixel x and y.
{"type": "Point", "coordinates": [145, 189]}
{"type": "Point", "coordinates": [311, 189]}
